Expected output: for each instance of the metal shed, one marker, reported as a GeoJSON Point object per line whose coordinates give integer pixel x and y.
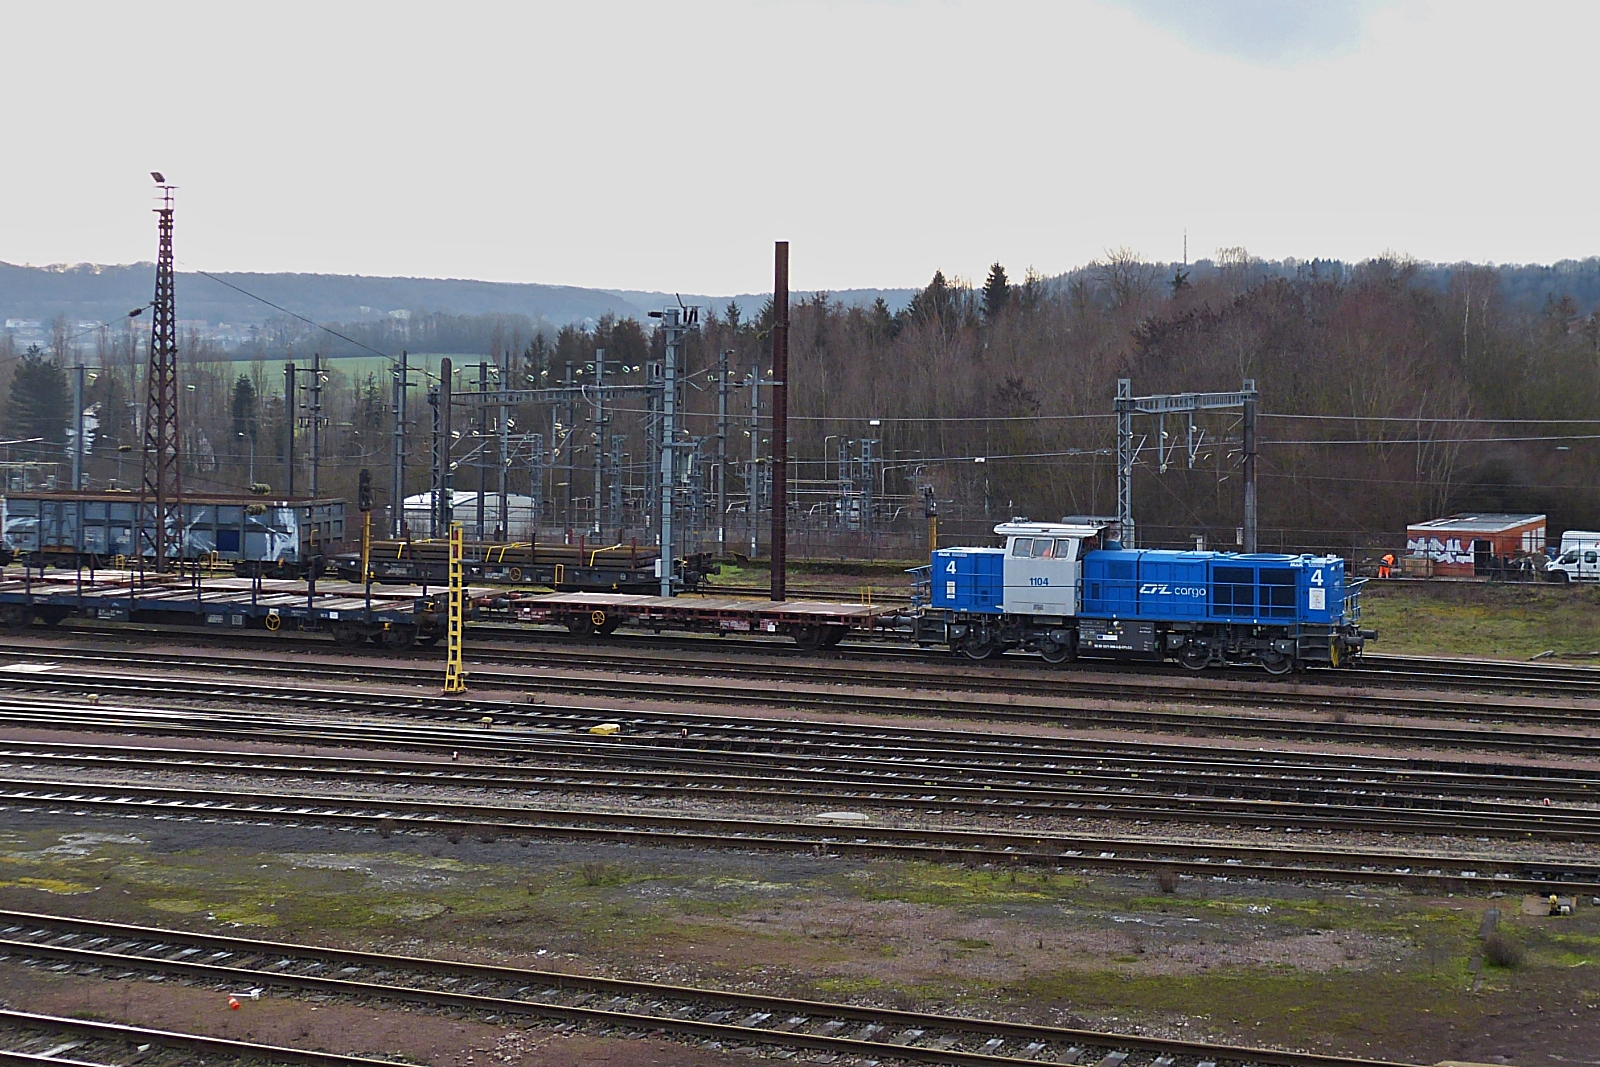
{"type": "Point", "coordinates": [1469, 546]}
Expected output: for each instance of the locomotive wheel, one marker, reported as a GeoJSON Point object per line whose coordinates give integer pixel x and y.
{"type": "Point", "coordinates": [1277, 662]}
{"type": "Point", "coordinates": [1051, 652]}
{"type": "Point", "coordinates": [979, 647]}
{"type": "Point", "coordinates": [1194, 657]}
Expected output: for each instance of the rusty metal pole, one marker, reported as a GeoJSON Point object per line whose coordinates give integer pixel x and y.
{"type": "Point", "coordinates": [780, 421]}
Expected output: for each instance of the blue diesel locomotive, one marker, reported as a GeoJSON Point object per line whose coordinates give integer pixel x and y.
{"type": "Point", "coordinates": [1065, 590]}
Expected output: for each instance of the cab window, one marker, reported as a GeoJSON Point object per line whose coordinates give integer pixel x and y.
{"type": "Point", "coordinates": [1022, 546]}
{"type": "Point", "coordinates": [1043, 548]}
{"type": "Point", "coordinates": [1589, 557]}
{"type": "Point", "coordinates": [1570, 557]}
{"type": "Point", "coordinates": [1064, 548]}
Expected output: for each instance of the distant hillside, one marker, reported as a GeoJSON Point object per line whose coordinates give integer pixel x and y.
{"type": "Point", "coordinates": [89, 292]}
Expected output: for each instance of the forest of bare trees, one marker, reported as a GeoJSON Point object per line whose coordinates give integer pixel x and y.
{"type": "Point", "coordinates": [1390, 393]}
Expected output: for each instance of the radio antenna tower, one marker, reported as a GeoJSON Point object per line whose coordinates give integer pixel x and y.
{"type": "Point", "coordinates": [162, 486]}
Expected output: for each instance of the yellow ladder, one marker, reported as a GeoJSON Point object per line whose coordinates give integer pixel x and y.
{"type": "Point", "coordinates": [455, 676]}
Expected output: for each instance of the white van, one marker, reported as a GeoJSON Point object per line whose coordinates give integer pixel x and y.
{"type": "Point", "coordinates": [1578, 560]}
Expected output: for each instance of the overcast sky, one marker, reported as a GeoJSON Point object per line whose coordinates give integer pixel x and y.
{"type": "Point", "coordinates": [655, 145]}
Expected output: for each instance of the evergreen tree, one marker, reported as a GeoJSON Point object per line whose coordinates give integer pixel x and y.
{"type": "Point", "coordinates": [996, 293]}
{"type": "Point", "coordinates": [370, 405]}
{"type": "Point", "coordinates": [733, 315]}
{"type": "Point", "coordinates": [884, 325]}
{"type": "Point", "coordinates": [244, 407]}
{"type": "Point", "coordinates": [938, 304]}
{"type": "Point", "coordinates": [39, 404]}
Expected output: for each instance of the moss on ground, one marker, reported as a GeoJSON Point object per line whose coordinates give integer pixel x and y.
{"type": "Point", "coordinates": [1273, 964]}
{"type": "Point", "coordinates": [1510, 621]}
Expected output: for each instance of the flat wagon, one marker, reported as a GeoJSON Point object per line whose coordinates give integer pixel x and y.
{"type": "Point", "coordinates": [394, 618]}
{"type": "Point", "coordinates": [812, 624]}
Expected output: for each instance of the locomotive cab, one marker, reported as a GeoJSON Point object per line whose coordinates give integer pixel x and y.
{"type": "Point", "coordinates": [1024, 595]}
{"type": "Point", "coordinates": [1043, 567]}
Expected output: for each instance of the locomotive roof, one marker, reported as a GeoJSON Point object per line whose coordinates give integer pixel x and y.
{"type": "Point", "coordinates": [1045, 529]}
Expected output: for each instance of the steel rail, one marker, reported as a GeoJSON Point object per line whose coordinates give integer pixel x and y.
{"type": "Point", "coordinates": [658, 757]}
{"type": "Point", "coordinates": [1227, 796]}
{"type": "Point", "coordinates": [785, 1022]}
{"type": "Point", "coordinates": [1375, 669]}
{"type": "Point", "coordinates": [634, 688]}
{"type": "Point", "coordinates": [699, 730]}
{"type": "Point", "coordinates": [131, 1034]}
{"type": "Point", "coordinates": [993, 683]}
{"type": "Point", "coordinates": [744, 833]}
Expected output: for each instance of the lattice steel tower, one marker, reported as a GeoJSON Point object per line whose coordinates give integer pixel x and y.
{"type": "Point", "coordinates": [161, 492]}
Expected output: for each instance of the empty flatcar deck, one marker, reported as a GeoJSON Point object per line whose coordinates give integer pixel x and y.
{"type": "Point", "coordinates": [396, 616]}
{"type": "Point", "coordinates": [813, 624]}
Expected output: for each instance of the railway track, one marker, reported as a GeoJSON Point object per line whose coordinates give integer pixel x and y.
{"type": "Point", "coordinates": [220, 802]}
{"type": "Point", "coordinates": [1332, 724]}
{"type": "Point", "coordinates": [29, 1039]}
{"type": "Point", "coordinates": [928, 776]}
{"type": "Point", "coordinates": [1013, 672]}
{"type": "Point", "coordinates": [616, 1006]}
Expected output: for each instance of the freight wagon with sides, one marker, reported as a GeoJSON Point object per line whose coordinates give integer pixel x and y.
{"type": "Point", "coordinates": [275, 538]}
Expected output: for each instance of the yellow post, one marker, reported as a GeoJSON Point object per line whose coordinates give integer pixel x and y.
{"type": "Point", "coordinates": [933, 534]}
{"type": "Point", "coordinates": [366, 545]}
{"type": "Point", "coordinates": [455, 677]}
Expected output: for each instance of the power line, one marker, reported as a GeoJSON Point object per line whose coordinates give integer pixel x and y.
{"type": "Point", "coordinates": [293, 314]}
{"type": "Point", "coordinates": [1414, 419]}
{"type": "Point", "coordinates": [1437, 440]}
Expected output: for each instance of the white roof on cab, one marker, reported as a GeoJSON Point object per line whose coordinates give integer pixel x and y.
{"type": "Point", "coordinates": [1045, 529]}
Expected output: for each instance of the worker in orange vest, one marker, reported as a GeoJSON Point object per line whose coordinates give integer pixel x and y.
{"type": "Point", "coordinates": [1386, 565]}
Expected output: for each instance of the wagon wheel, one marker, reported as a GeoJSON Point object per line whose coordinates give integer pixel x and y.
{"type": "Point", "coordinates": [834, 635]}
{"type": "Point", "coordinates": [429, 639]}
{"type": "Point", "coordinates": [579, 625]}
{"type": "Point", "coordinates": [398, 638]}
{"type": "Point", "coordinates": [603, 624]}
{"type": "Point", "coordinates": [15, 616]}
{"type": "Point", "coordinates": [1194, 657]}
{"type": "Point", "coordinates": [810, 637]}
{"type": "Point", "coordinates": [347, 635]}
